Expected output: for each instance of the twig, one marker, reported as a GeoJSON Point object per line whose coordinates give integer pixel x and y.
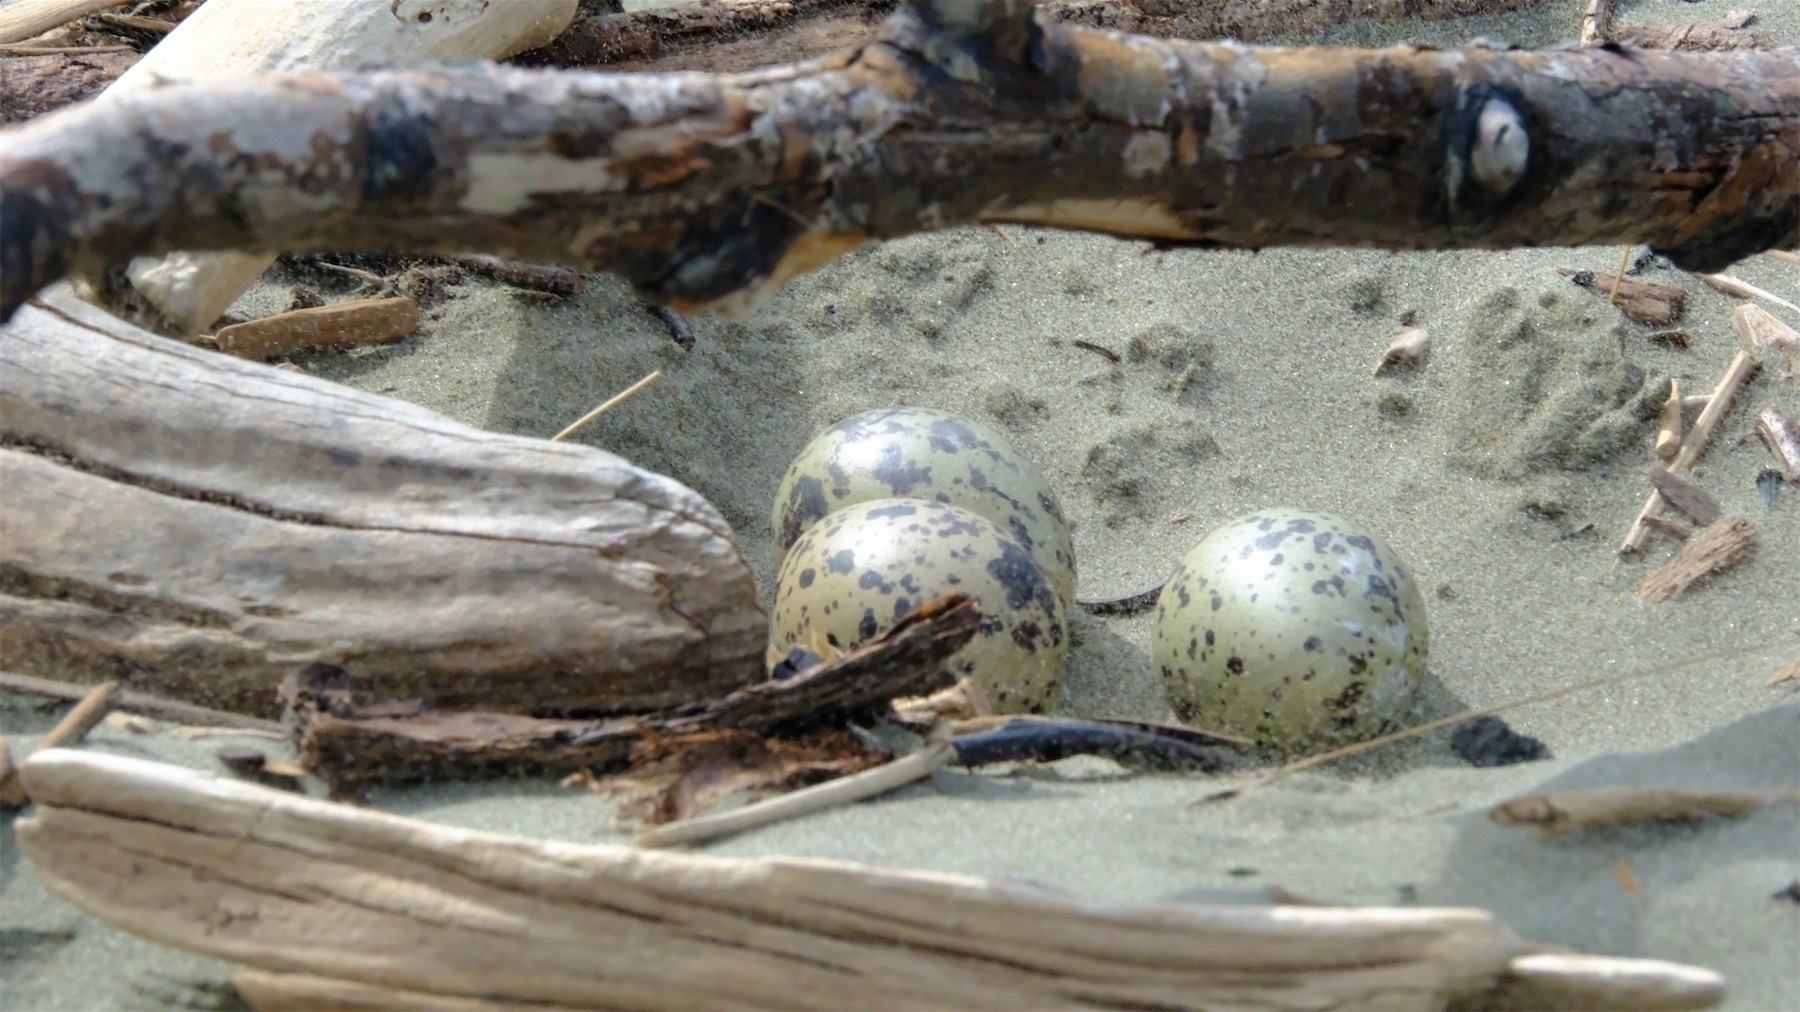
{"type": "Point", "coordinates": [1789, 672]}
{"type": "Point", "coordinates": [91, 710]}
{"type": "Point", "coordinates": [1124, 604]}
{"type": "Point", "coordinates": [1004, 234]}
{"type": "Point", "coordinates": [61, 50]}
{"type": "Point", "coordinates": [934, 755]}
{"type": "Point", "coordinates": [608, 404]}
{"type": "Point", "coordinates": [1718, 403]}
{"type": "Point", "coordinates": [1554, 813]}
{"type": "Point", "coordinates": [679, 327]}
{"type": "Point", "coordinates": [1612, 297]}
{"type": "Point", "coordinates": [338, 327]}
{"type": "Point", "coordinates": [1098, 349]}
{"type": "Point", "coordinates": [1135, 746]}
{"type": "Point", "coordinates": [1596, 22]}
{"type": "Point", "coordinates": [537, 277]}
{"type": "Point", "coordinates": [139, 702]}
{"type": "Point", "coordinates": [1781, 254]}
{"type": "Point", "coordinates": [1745, 290]}
{"type": "Point", "coordinates": [1722, 546]}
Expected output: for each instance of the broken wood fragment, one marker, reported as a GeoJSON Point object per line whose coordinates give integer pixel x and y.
{"type": "Point", "coordinates": [459, 567]}
{"type": "Point", "coordinates": [1780, 436]}
{"type": "Point", "coordinates": [990, 115]}
{"type": "Point", "coordinates": [349, 742]}
{"type": "Point", "coordinates": [1640, 301]}
{"type": "Point", "coordinates": [339, 326]}
{"type": "Point", "coordinates": [1742, 367]}
{"type": "Point", "coordinates": [1133, 745]}
{"type": "Point", "coordinates": [1718, 548]}
{"type": "Point", "coordinates": [23, 19]}
{"type": "Point", "coordinates": [1692, 500]}
{"type": "Point", "coordinates": [1768, 336]}
{"type": "Point", "coordinates": [1721, 33]}
{"type": "Point", "coordinates": [160, 851]}
{"type": "Point", "coordinates": [1554, 813]}
{"type": "Point", "coordinates": [1596, 22]}
{"type": "Point", "coordinates": [1668, 429]}
{"type": "Point", "coordinates": [34, 83]}
{"type": "Point", "coordinates": [83, 717]}
{"type": "Point", "coordinates": [1745, 290]}
{"type": "Point", "coordinates": [1663, 525]}
{"type": "Point", "coordinates": [1789, 672]}
{"type": "Point", "coordinates": [558, 281]}
{"type": "Point", "coordinates": [1408, 347]}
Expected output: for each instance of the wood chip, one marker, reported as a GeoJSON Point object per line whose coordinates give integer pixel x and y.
{"type": "Point", "coordinates": [1684, 495]}
{"type": "Point", "coordinates": [1642, 301]}
{"type": "Point", "coordinates": [1789, 672]}
{"type": "Point", "coordinates": [1410, 346]}
{"type": "Point", "coordinates": [337, 327]}
{"type": "Point", "coordinates": [1554, 813]}
{"type": "Point", "coordinates": [1780, 436]}
{"type": "Point", "coordinates": [1764, 333]}
{"type": "Point", "coordinates": [1715, 550]}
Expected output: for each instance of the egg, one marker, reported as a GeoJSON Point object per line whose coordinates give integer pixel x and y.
{"type": "Point", "coordinates": [1301, 630]}
{"type": "Point", "coordinates": [920, 453]}
{"type": "Point", "coordinates": [851, 575]}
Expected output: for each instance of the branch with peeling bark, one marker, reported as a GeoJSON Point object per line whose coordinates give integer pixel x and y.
{"type": "Point", "coordinates": [711, 190]}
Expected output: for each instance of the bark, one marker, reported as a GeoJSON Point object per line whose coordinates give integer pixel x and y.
{"type": "Point", "coordinates": [1259, 20]}
{"type": "Point", "coordinates": [709, 191]}
{"type": "Point", "coordinates": [199, 526]}
{"type": "Point", "coordinates": [351, 742]}
{"type": "Point", "coordinates": [33, 85]}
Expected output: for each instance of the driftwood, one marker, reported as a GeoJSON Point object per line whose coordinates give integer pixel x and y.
{"type": "Point", "coordinates": [33, 85]}
{"type": "Point", "coordinates": [1720, 547]}
{"type": "Point", "coordinates": [228, 38]}
{"type": "Point", "coordinates": [338, 327]}
{"type": "Point", "coordinates": [387, 905]}
{"type": "Point", "coordinates": [350, 741]}
{"type": "Point", "coordinates": [1554, 813]}
{"type": "Point", "coordinates": [712, 190]}
{"type": "Point", "coordinates": [1718, 403]}
{"type": "Point", "coordinates": [1691, 500]}
{"type": "Point", "coordinates": [198, 526]}
{"type": "Point", "coordinates": [1782, 439]}
{"type": "Point", "coordinates": [1724, 32]}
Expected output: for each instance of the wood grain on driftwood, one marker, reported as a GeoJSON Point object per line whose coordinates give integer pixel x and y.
{"type": "Point", "coordinates": [200, 526]}
{"type": "Point", "coordinates": [295, 886]}
{"type": "Point", "coordinates": [708, 190]}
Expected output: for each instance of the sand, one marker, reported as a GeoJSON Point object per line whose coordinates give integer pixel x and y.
{"type": "Point", "coordinates": [1505, 470]}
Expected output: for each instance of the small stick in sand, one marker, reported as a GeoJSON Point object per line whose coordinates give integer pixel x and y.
{"type": "Point", "coordinates": [140, 702]}
{"type": "Point", "coordinates": [1668, 433]}
{"type": "Point", "coordinates": [1684, 495]}
{"type": "Point", "coordinates": [1663, 525]}
{"type": "Point", "coordinates": [1554, 813]}
{"type": "Point", "coordinates": [1781, 254]}
{"type": "Point", "coordinates": [1652, 304]}
{"type": "Point", "coordinates": [1742, 367]}
{"type": "Point", "coordinates": [338, 327]}
{"type": "Point", "coordinates": [559, 281]}
{"type": "Point", "coordinates": [607, 405]}
{"type": "Point", "coordinates": [1612, 297]}
{"type": "Point", "coordinates": [91, 710]}
{"type": "Point", "coordinates": [1789, 672]}
{"type": "Point", "coordinates": [1777, 433]}
{"type": "Point", "coordinates": [12, 786]}
{"type": "Point", "coordinates": [1410, 346]}
{"type": "Point", "coordinates": [679, 327]}
{"type": "Point", "coordinates": [1098, 349]}
{"type": "Point", "coordinates": [1762, 330]}
{"type": "Point", "coordinates": [1721, 547]}
{"type": "Point", "coordinates": [935, 754]}
{"type": "Point", "coordinates": [1596, 24]}
{"type": "Point", "coordinates": [1745, 290]}
{"type": "Point", "coordinates": [1004, 234]}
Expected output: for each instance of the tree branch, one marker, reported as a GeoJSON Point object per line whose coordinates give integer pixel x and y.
{"type": "Point", "coordinates": [708, 191]}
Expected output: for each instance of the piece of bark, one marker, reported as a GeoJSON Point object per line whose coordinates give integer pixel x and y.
{"type": "Point", "coordinates": [339, 326]}
{"type": "Point", "coordinates": [1692, 500]}
{"type": "Point", "coordinates": [350, 743]}
{"type": "Point", "coordinates": [296, 885]}
{"type": "Point", "coordinates": [1554, 813]}
{"type": "Point", "coordinates": [200, 525]}
{"type": "Point", "coordinates": [1640, 301]}
{"type": "Point", "coordinates": [1723, 395]}
{"type": "Point", "coordinates": [1780, 436]}
{"type": "Point", "coordinates": [227, 38]}
{"type": "Point", "coordinates": [33, 85]}
{"type": "Point", "coordinates": [1718, 548]}
{"type": "Point", "coordinates": [1768, 336]}
{"type": "Point", "coordinates": [132, 701]}
{"type": "Point", "coordinates": [1724, 32]}
{"type": "Point", "coordinates": [723, 187]}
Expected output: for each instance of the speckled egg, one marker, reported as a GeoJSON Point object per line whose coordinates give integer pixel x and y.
{"type": "Point", "coordinates": [1301, 630]}
{"type": "Point", "coordinates": [919, 453]}
{"type": "Point", "coordinates": [852, 574]}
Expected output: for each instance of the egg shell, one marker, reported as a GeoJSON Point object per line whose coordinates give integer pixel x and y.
{"type": "Point", "coordinates": [1299, 629]}
{"type": "Point", "coordinates": [853, 574]}
{"type": "Point", "coordinates": [921, 453]}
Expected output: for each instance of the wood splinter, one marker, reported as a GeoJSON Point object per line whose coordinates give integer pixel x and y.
{"type": "Point", "coordinates": [1668, 432]}
{"type": "Point", "coordinates": [1789, 672]}
{"type": "Point", "coordinates": [70, 730]}
{"type": "Point", "coordinates": [1692, 500]}
{"type": "Point", "coordinates": [1742, 367]}
{"type": "Point", "coordinates": [1720, 547]}
{"type": "Point", "coordinates": [1410, 346]}
{"type": "Point", "coordinates": [1780, 436]}
{"type": "Point", "coordinates": [338, 327]}
{"type": "Point", "coordinates": [1554, 813]}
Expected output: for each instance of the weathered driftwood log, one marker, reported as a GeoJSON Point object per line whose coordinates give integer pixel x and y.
{"type": "Point", "coordinates": [707, 190]}
{"type": "Point", "coordinates": [199, 526]}
{"type": "Point", "coordinates": [351, 742]}
{"type": "Point", "coordinates": [33, 85]}
{"type": "Point", "coordinates": [293, 885]}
